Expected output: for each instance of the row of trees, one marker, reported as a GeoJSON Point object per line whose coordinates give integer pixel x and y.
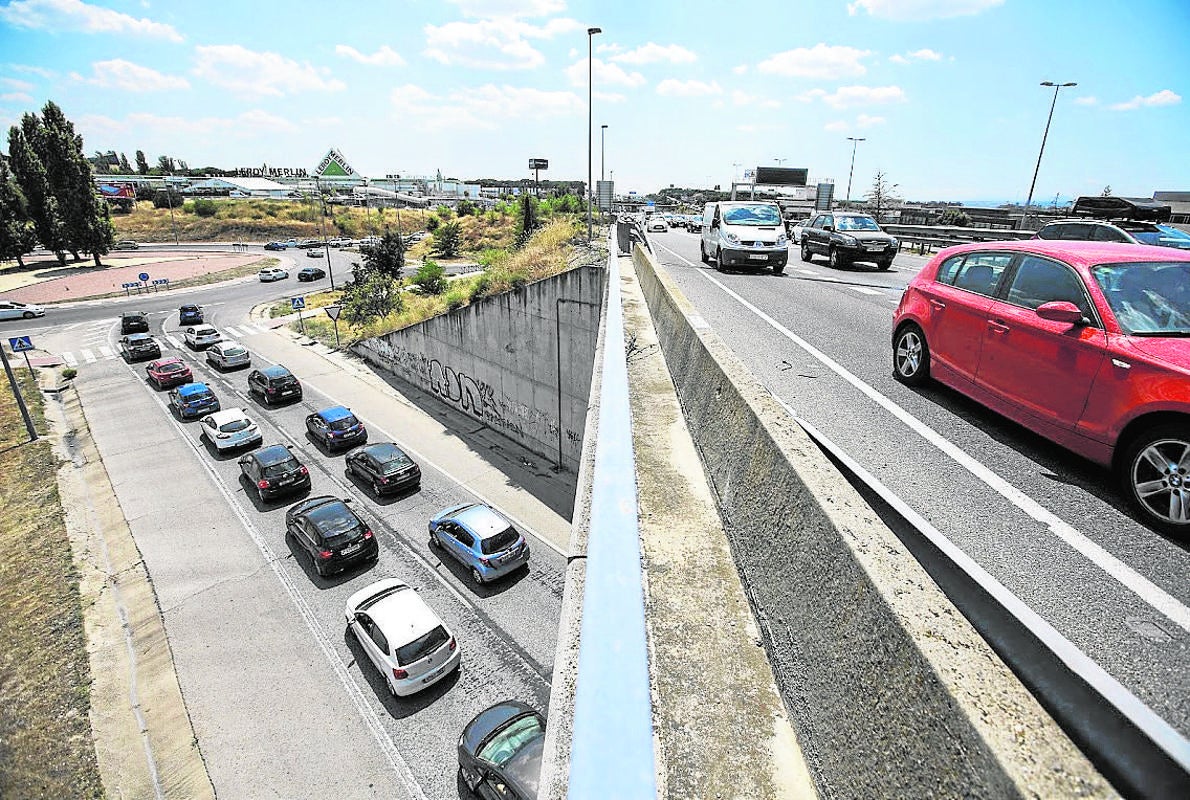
{"type": "Point", "coordinates": [47, 192]}
{"type": "Point", "coordinates": [117, 164]}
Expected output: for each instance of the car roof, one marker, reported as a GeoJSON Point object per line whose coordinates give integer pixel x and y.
{"type": "Point", "coordinates": [273, 454]}
{"type": "Point", "coordinates": [188, 307]}
{"type": "Point", "coordinates": [335, 413]}
{"type": "Point", "coordinates": [850, 214]}
{"type": "Point", "coordinates": [204, 329]}
{"type": "Point", "coordinates": [384, 451]}
{"type": "Point", "coordinates": [137, 336]}
{"type": "Point", "coordinates": [226, 415]}
{"type": "Point", "coordinates": [481, 520]}
{"type": "Point", "coordinates": [524, 768]}
{"type": "Point", "coordinates": [187, 389]}
{"type": "Point", "coordinates": [161, 362]}
{"type": "Point", "coordinates": [276, 371]}
{"type": "Point", "coordinates": [1076, 252]}
{"type": "Point", "coordinates": [490, 720]}
{"type": "Point", "coordinates": [403, 616]}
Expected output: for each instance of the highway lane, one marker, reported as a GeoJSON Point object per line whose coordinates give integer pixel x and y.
{"type": "Point", "coordinates": [1114, 587]}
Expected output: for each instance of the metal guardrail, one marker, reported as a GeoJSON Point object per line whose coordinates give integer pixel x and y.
{"type": "Point", "coordinates": [926, 237]}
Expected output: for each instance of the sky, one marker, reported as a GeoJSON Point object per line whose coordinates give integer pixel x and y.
{"type": "Point", "coordinates": [945, 93]}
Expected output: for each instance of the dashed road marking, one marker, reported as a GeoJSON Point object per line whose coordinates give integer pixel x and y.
{"type": "Point", "coordinates": [70, 360]}
{"type": "Point", "coordinates": [229, 332]}
{"type": "Point", "coordinates": [89, 357]}
{"type": "Point", "coordinates": [808, 271]}
{"type": "Point", "coordinates": [106, 351]}
{"type": "Point", "coordinates": [865, 290]}
{"type": "Point", "coordinates": [173, 341]}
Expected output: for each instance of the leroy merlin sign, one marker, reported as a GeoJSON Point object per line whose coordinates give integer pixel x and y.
{"type": "Point", "coordinates": [333, 165]}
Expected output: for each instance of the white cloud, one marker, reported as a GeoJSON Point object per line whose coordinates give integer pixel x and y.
{"type": "Point", "coordinates": [653, 53]}
{"type": "Point", "coordinates": [249, 72]}
{"type": "Point", "coordinates": [1162, 98]}
{"type": "Point", "coordinates": [916, 55]}
{"type": "Point", "coordinates": [25, 68]}
{"type": "Point", "coordinates": [740, 70]}
{"type": "Point", "coordinates": [129, 77]}
{"type": "Point", "coordinates": [493, 9]}
{"type": "Point", "coordinates": [819, 61]}
{"type": "Point", "coordinates": [243, 126]}
{"type": "Point", "coordinates": [605, 48]}
{"type": "Point", "coordinates": [898, 59]}
{"type": "Point", "coordinates": [16, 97]}
{"type": "Point", "coordinates": [384, 57]}
{"type": "Point", "coordinates": [848, 96]}
{"type": "Point", "coordinates": [492, 43]}
{"type": "Point", "coordinates": [744, 99]}
{"type": "Point", "coordinates": [1086, 101]}
{"type": "Point", "coordinates": [671, 87]}
{"type": "Point", "coordinates": [921, 10]}
{"type": "Point", "coordinates": [810, 95]}
{"type": "Point", "coordinates": [604, 74]}
{"type": "Point", "coordinates": [481, 107]}
{"type": "Point", "coordinates": [13, 83]}
{"type": "Point", "coordinates": [75, 15]}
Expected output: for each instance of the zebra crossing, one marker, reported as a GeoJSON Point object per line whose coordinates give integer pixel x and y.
{"type": "Point", "coordinates": [95, 349]}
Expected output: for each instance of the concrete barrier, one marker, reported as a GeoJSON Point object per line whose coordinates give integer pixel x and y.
{"type": "Point", "coordinates": [892, 692]}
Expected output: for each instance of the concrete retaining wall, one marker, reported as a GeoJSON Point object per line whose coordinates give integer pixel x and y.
{"type": "Point", "coordinates": [497, 359]}
{"type": "Point", "coordinates": [892, 692]}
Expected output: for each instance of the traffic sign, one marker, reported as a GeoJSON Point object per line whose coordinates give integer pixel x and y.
{"type": "Point", "coordinates": [144, 276]}
{"type": "Point", "coordinates": [298, 303]}
{"type": "Point", "coordinates": [160, 281]}
{"type": "Point", "coordinates": [19, 344]}
{"type": "Point", "coordinates": [333, 312]}
{"type": "Point", "coordinates": [129, 285]}
{"type": "Point", "coordinates": [539, 163]}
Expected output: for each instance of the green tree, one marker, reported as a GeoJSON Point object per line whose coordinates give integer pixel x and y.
{"type": "Point", "coordinates": [448, 239]}
{"type": "Point", "coordinates": [527, 219]}
{"type": "Point", "coordinates": [125, 167]}
{"type": "Point", "coordinates": [386, 256]}
{"type": "Point", "coordinates": [100, 234]}
{"type": "Point", "coordinates": [142, 163]}
{"type": "Point", "coordinates": [166, 164]}
{"type": "Point", "coordinates": [30, 175]}
{"type": "Point", "coordinates": [17, 236]}
{"type": "Point", "coordinates": [72, 183]}
{"type": "Point", "coordinates": [467, 208]}
{"type": "Point", "coordinates": [369, 296]}
{"type": "Point", "coordinates": [430, 277]}
{"type": "Point", "coordinates": [882, 195]}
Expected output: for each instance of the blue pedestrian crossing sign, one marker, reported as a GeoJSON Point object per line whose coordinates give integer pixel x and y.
{"type": "Point", "coordinates": [298, 303]}
{"type": "Point", "coordinates": [19, 344]}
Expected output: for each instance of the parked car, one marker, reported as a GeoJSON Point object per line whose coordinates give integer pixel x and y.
{"type": "Point", "coordinates": [273, 471]}
{"type": "Point", "coordinates": [846, 237]}
{"type": "Point", "coordinates": [134, 322]}
{"type": "Point", "coordinates": [273, 384]}
{"type": "Point", "coordinates": [192, 400]}
{"type": "Point", "coordinates": [315, 254]}
{"type": "Point", "coordinates": [137, 346]}
{"type": "Point", "coordinates": [190, 315]}
{"type": "Point", "coordinates": [200, 336]}
{"type": "Point", "coordinates": [307, 244]}
{"type": "Point", "coordinates": [269, 274]}
{"type": "Point", "coordinates": [11, 309]}
{"type": "Point", "coordinates": [500, 751]}
{"type": "Point", "coordinates": [747, 234]}
{"type": "Point", "coordinates": [339, 242]}
{"type": "Point", "coordinates": [275, 246]}
{"type": "Point", "coordinates": [331, 533]}
{"type": "Point", "coordinates": [479, 539]}
{"type": "Point", "coordinates": [231, 429]}
{"type": "Point", "coordinates": [226, 355]}
{"type": "Point", "coordinates": [1084, 343]}
{"type": "Point", "coordinates": [167, 372]}
{"type": "Point", "coordinates": [126, 244]}
{"type": "Point", "coordinates": [311, 273]}
{"type": "Point", "coordinates": [1130, 231]}
{"type": "Point", "coordinates": [385, 467]}
{"type": "Point", "coordinates": [404, 639]}
{"type": "Point", "coordinates": [336, 427]}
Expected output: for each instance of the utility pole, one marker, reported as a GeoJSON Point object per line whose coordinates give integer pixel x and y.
{"type": "Point", "coordinates": [590, 121]}
{"type": "Point", "coordinates": [854, 142]}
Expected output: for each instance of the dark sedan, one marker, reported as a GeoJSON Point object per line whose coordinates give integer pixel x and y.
{"type": "Point", "coordinates": [333, 535]}
{"type": "Point", "coordinates": [136, 346]}
{"type": "Point", "coordinates": [384, 467]}
{"type": "Point", "coordinates": [311, 273]}
{"type": "Point", "coordinates": [500, 752]}
{"type": "Point", "coordinates": [274, 470]}
{"type": "Point", "coordinates": [192, 400]}
{"type": "Point", "coordinates": [273, 384]}
{"type": "Point", "coordinates": [190, 315]}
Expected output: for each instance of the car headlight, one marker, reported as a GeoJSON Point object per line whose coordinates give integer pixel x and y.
{"type": "Point", "coordinates": [730, 237]}
{"type": "Point", "coordinates": [893, 242]}
{"type": "Point", "coordinates": [782, 241]}
{"type": "Point", "coordinates": [849, 241]}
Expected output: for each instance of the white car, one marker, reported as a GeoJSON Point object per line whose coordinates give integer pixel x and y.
{"type": "Point", "coordinates": [403, 637]}
{"type": "Point", "coordinates": [230, 429]}
{"type": "Point", "coordinates": [657, 224]}
{"type": "Point", "coordinates": [201, 336]}
{"type": "Point", "coordinates": [272, 274]}
{"type": "Point", "coordinates": [11, 309]}
{"type": "Point", "coordinates": [226, 355]}
{"type": "Point", "coordinates": [339, 242]}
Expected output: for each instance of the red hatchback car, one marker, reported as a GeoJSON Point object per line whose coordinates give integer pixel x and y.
{"type": "Point", "coordinates": [167, 372]}
{"type": "Point", "coordinates": [1085, 343]}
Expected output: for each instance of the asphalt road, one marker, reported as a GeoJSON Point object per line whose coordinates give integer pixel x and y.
{"type": "Point", "coordinates": [1050, 526]}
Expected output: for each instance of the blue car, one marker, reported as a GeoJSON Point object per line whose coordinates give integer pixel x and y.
{"type": "Point", "coordinates": [189, 315]}
{"type": "Point", "coordinates": [336, 428]}
{"type": "Point", "coordinates": [192, 400]}
{"type": "Point", "coordinates": [275, 246]}
{"type": "Point", "coordinates": [479, 539]}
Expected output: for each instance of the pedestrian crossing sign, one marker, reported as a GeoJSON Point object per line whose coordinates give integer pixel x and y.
{"type": "Point", "coordinates": [19, 344]}
{"type": "Point", "coordinates": [298, 303]}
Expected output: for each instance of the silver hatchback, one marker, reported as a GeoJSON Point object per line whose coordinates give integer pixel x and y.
{"type": "Point", "coordinates": [227, 355]}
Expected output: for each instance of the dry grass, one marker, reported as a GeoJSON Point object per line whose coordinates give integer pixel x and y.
{"type": "Point", "coordinates": [45, 733]}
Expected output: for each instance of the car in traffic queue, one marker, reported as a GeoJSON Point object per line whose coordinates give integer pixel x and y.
{"type": "Point", "coordinates": [408, 643]}
{"type": "Point", "coordinates": [311, 274]}
{"type": "Point", "coordinates": [744, 234]}
{"type": "Point", "coordinates": [274, 471]}
{"type": "Point", "coordinates": [190, 314]}
{"type": "Point", "coordinates": [846, 237]}
{"type": "Point", "coordinates": [656, 224]}
{"type": "Point", "coordinates": [315, 254]}
{"type": "Point", "coordinates": [276, 246]}
{"type": "Point", "coordinates": [192, 400]}
{"type": "Point", "coordinates": [134, 322]}
{"type": "Point", "coordinates": [226, 355]}
{"type": "Point", "coordinates": [500, 751]}
{"type": "Point", "coordinates": [273, 384]}
{"type": "Point", "coordinates": [138, 346]}
{"type": "Point", "coordinates": [11, 309]}
{"type": "Point", "coordinates": [336, 428]}
{"type": "Point", "coordinates": [1084, 343]}
{"type": "Point", "coordinates": [200, 336]}
{"type": "Point", "coordinates": [231, 429]}
{"type": "Point", "coordinates": [269, 274]}
{"type": "Point", "coordinates": [480, 539]}
{"type": "Point", "coordinates": [1130, 231]}
{"type": "Point", "coordinates": [385, 467]}
{"type": "Point", "coordinates": [126, 244]}
{"type": "Point", "coordinates": [166, 373]}
{"type": "Point", "coordinates": [307, 244]}
{"type": "Point", "coordinates": [331, 533]}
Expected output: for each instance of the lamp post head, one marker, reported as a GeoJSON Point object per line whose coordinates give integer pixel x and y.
{"type": "Point", "coordinates": [856, 139]}
{"type": "Point", "coordinates": [604, 127]}
{"type": "Point", "coordinates": [593, 31]}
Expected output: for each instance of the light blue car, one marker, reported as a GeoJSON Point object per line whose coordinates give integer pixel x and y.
{"type": "Point", "coordinates": [479, 539]}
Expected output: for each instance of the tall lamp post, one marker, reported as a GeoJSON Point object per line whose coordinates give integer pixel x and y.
{"type": "Point", "coordinates": [1044, 136]}
{"type": "Point", "coordinates": [854, 143]}
{"type": "Point", "coordinates": [602, 149]}
{"type": "Point", "coordinates": [590, 120]}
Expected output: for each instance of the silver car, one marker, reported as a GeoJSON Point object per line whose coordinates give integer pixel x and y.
{"type": "Point", "coordinates": [11, 309]}
{"type": "Point", "coordinates": [226, 355]}
{"type": "Point", "coordinates": [230, 429]}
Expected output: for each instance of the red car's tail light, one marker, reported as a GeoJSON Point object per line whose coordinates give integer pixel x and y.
{"type": "Point", "coordinates": [262, 484]}
{"type": "Point", "coordinates": [400, 674]}
{"type": "Point", "coordinates": [367, 534]}
{"type": "Point", "coordinates": [453, 644]}
{"type": "Point", "coordinates": [325, 554]}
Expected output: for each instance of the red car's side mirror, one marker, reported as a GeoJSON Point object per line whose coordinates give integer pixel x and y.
{"type": "Point", "coordinates": [1061, 311]}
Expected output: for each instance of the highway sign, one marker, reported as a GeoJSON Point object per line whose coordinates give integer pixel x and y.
{"type": "Point", "coordinates": [19, 344]}
{"type": "Point", "coordinates": [539, 163]}
{"type": "Point", "coordinates": [333, 312]}
{"type": "Point", "coordinates": [144, 276]}
{"type": "Point", "coordinates": [298, 303]}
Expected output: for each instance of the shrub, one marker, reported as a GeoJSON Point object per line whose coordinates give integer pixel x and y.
{"type": "Point", "coordinates": [482, 288]}
{"type": "Point", "coordinates": [69, 373]}
{"type": "Point", "coordinates": [431, 278]}
{"type": "Point", "coordinates": [204, 208]}
{"type": "Point", "coordinates": [432, 223]}
{"type": "Point", "coordinates": [456, 298]}
{"type": "Point", "coordinates": [492, 257]}
{"type": "Point", "coordinates": [447, 240]}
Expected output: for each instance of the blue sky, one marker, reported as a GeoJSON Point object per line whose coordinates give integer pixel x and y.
{"type": "Point", "coordinates": [945, 92]}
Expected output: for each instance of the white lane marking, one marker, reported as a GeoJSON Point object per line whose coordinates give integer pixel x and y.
{"type": "Point", "coordinates": [864, 289]}
{"type": "Point", "coordinates": [106, 351]}
{"type": "Point", "coordinates": [229, 331]}
{"type": "Point", "coordinates": [88, 356]}
{"type": "Point", "coordinates": [1141, 586]}
{"type": "Point", "coordinates": [70, 360]}
{"type": "Point", "coordinates": [803, 271]}
{"type": "Point", "coordinates": [173, 341]}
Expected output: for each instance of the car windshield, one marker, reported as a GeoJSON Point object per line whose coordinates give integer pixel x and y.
{"type": "Point", "coordinates": [281, 468]}
{"type": "Point", "coordinates": [174, 367]}
{"type": "Point", "coordinates": [344, 423]}
{"type": "Point", "coordinates": [233, 351]}
{"type": "Point", "coordinates": [501, 541]}
{"type": "Point", "coordinates": [198, 397]}
{"type": "Point", "coordinates": [856, 224]}
{"type": "Point", "coordinates": [1148, 299]}
{"type": "Point", "coordinates": [421, 647]}
{"type": "Point", "coordinates": [751, 215]}
{"type": "Point", "coordinates": [234, 426]}
{"type": "Point", "coordinates": [1163, 236]}
{"type": "Point", "coordinates": [396, 463]}
{"type": "Point", "coordinates": [507, 743]}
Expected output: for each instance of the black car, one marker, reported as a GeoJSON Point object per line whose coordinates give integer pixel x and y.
{"type": "Point", "coordinates": [311, 273]}
{"type": "Point", "coordinates": [274, 471]}
{"type": "Point", "coordinates": [307, 244]}
{"type": "Point", "coordinates": [333, 535]}
{"type": "Point", "coordinates": [274, 384]}
{"type": "Point", "coordinates": [385, 467]}
{"type": "Point", "coordinates": [136, 346]}
{"type": "Point", "coordinates": [134, 322]}
{"type": "Point", "coordinates": [500, 752]}
{"type": "Point", "coordinates": [190, 315]}
{"type": "Point", "coordinates": [846, 237]}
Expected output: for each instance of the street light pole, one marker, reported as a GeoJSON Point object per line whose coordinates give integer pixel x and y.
{"type": "Point", "coordinates": [602, 149]}
{"type": "Point", "coordinates": [854, 143]}
{"type": "Point", "coordinates": [1044, 136]}
{"type": "Point", "coordinates": [590, 121]}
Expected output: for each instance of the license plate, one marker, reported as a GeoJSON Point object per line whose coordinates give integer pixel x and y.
{"type": "Point", "coordinates": [758, 257]}
{"type": "Point", "coordinates": [287, 480]}
{"type": "Point", "coordinates": [875, 247]}
{"type": "Point", "coordinates": [351, 548]}
{"type": "Point", "coordinates": [285, 392]}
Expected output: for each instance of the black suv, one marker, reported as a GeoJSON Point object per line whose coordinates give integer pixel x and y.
{"type": "Point", "coordinates": [846, 237]}
{"type": "Point", "coordinates": [190, 314]}
{"type": "Point", "coordinates": [134, 322]}
{"type": "Point", "coordinates": [274, 470]}
{"type": "Point", "coordinates": [136, 346]}
{"type": "Point", "coordinates": [274, 384]}
{"type": "Point", "coordinates": [333, 535]}
{"type": "Point", "coordinates": [384, 467]}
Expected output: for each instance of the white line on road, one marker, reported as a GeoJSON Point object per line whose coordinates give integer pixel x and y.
{"type": "Point", "coordinates": [88, 356]}
{"type": "Point", "coordinates": [1148, 591]}
{"type": "Point", "coordinates": [229, 331]}
{"type": "Point", "coordinates": [70, 360]}
{"type": "Point", "coordinates": [802, 271]}
{"type": "Point", "coordinates": [106, 351]}
{"type": "Point", "coordinates": [173, 341]}
{"type": "Point", "coordinates": [865, 289]}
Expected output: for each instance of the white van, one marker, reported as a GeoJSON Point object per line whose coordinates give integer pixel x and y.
{"type": "Point", "coordinates": [744, 234]}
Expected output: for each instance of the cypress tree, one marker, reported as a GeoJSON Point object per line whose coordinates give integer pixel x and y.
{"type": "Point", "coordinates": [142, 163]}
{"type": "Point", "coordinates": [31, 178]}
{"type": "Point", "coordinates": [17, 236]}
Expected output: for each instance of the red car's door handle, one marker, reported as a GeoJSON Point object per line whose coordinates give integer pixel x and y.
{"type": "Point", "coordinates": [997, 326]}
{"type": "Point", "coordinates": [938, 304]}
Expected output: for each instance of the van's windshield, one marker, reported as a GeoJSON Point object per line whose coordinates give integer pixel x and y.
{"type": "Point", "coordinates": [751, 215]}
